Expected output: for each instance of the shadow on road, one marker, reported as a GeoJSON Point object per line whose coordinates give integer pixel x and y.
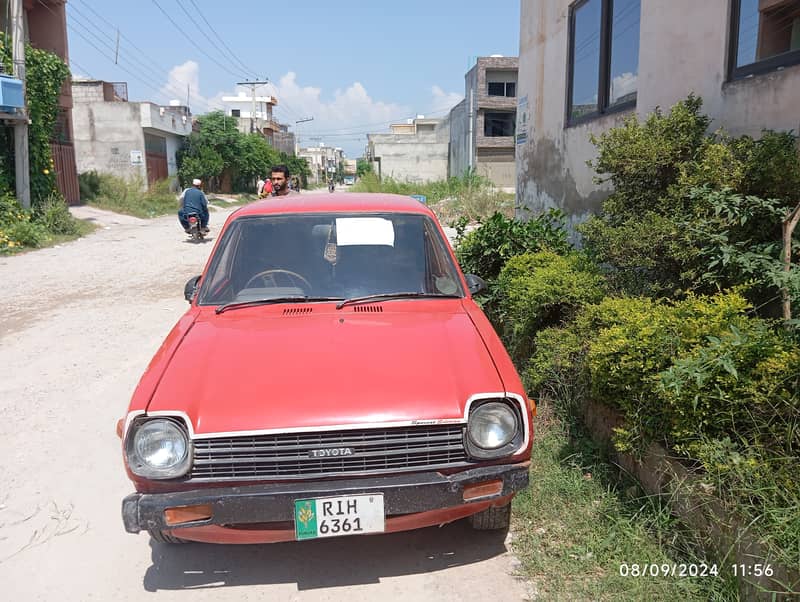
{"type": "Point", "coordinates": [334, 562]}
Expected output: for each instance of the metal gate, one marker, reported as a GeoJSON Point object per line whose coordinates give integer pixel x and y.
{"type": "Point", "coordinates": [155, 150]}
{"type": "Point", "coordinates": [66, 171]}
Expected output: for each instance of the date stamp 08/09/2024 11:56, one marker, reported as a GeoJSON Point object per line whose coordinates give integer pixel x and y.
{"type": "Point", "coordinates": [633, 569]}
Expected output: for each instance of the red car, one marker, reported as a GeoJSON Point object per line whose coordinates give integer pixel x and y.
{"type": "Point", "coordinates": [333, 376]}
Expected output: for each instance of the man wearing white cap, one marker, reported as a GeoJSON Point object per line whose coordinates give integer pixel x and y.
{"type": "Point", "coordinates": [193, 200]}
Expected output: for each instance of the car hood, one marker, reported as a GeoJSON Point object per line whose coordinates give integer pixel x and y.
{"type": "Point", "coordinates": [257, 368]}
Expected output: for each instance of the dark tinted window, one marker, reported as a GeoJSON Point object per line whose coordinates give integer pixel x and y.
{"type": "Point", "coordinates": [498, 124]}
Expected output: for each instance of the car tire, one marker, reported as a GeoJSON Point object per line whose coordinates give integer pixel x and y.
{"type": "Point", "coordinates": [492, 519]}
{"type": "Point", "coordinates": [163, 537]}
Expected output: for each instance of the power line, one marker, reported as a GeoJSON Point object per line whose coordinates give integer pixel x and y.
{"type": "Point", "coordinates": [123, 36]}
{"type": "Point", "coordinates": [200, 29]}
{"type": "Point", "coordinates": [199, 48]}
{"type": "Point", "coordinates": [123, 68]}
{"type": "Point", "coordinates": [145, 71]}
{"type": "Point", "coordinates": [221, 39]}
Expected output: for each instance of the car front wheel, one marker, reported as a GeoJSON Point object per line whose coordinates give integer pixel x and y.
{"type": "Point", "coordinates": [492, 519]}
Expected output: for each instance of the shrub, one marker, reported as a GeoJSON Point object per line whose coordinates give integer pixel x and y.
{"type": "Point", "coordinates": [536, 290]}
{"type": "Point", "coordinates": [656, 227]}
{"type": "Point", "coordinates": [89, 184]}
{"type": "Point", "coordinates": [23, 233]}
{"type": "Point", "coordinates": [636, 339]}
{"type": "Point", "coordinates": [485, 250]}
{"type": "Point", "coordinates": [54, 215]}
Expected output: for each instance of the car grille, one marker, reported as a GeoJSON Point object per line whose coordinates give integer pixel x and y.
{"type": "Point", "coordinates": [287, 456]}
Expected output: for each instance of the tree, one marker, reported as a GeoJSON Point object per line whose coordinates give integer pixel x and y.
{"type": "Point", "coordinates": [363, 167]}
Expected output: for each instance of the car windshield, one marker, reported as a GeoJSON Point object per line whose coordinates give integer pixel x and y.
{"type": "Point", "coordinates": [329, 256]}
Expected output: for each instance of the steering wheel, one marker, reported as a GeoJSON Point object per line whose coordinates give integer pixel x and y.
{"type": "Point", "coordinates": [268, 279]}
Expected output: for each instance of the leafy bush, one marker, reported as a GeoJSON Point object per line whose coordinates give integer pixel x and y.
{"type": "Point", "coordinates": [54, 215]}
{"type": "Point", "coordinates": [665, 218]}
{"type": "Point", "coordinates": [22, 233]}
{"type": "Point", "coordinates": [636, 339]}
{"type": "Point", "coordinates": [536, 290]}
{"type": "Point", "coordinates": [89, 184]}
{"type": "Point", "coordinates": [485, 250]}
{"type": "Point", "coordinates": [16, 229]}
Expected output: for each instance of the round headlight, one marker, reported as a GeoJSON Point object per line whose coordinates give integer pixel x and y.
{"type": "Point", "coordinates": [160, 449]}
{"type": "Point", "coordinates": [492, 426]}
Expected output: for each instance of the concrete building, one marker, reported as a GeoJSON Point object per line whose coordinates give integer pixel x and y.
{"type": "Point", "coordinates": [586, 65]}
{"type": "Point", "coordinates": [46, 28]}
{"type": "Point", "coordinates": [283, 140]}
{"type": "Point", "coordinates": [131, 140]}
{"type": "Point", "coordinates": [415, 151]}
{"type": "Point", "coordinates": [482, 125]}
{"type": "Point", "coordinates": [323, 161]}
{"type": "Point", "coordinates": [263, 122]}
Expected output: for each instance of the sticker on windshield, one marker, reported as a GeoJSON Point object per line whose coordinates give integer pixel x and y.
{"type": "Point", "coordinates": [364, 231]}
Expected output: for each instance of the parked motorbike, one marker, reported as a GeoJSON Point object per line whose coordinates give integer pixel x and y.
{"type": "Point", "coordinates": [195, 229]}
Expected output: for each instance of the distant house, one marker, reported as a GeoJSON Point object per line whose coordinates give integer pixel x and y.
{"type": "Point", "coordinates": [415, 151]}
{"type": "Point", "coordinates": [262, 121]}
{"type": "Point", "coordinates": [585, 65]}
{"type": "Point", "coordinates": [132, 140]}
{"type": "Point", "coordinates": [482, 126]}
{"type": "Point", "coordinates": [323, 161]}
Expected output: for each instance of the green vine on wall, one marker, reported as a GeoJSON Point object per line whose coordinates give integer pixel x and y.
{"type": "Point", "coordinates": [45, 74]}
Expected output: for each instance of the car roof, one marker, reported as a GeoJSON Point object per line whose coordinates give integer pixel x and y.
{"type": "Point", "coordinates": [340, 202]}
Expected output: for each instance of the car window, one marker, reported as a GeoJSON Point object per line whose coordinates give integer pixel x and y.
{"type": "Point", "coordinates": [329, 255]}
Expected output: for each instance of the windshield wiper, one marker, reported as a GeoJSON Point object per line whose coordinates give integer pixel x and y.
{"type": "Point", "coordinates": [409, 295]}
{"type": "Point", "coordinates": [272, 300]}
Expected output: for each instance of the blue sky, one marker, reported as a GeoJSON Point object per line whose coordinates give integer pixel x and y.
{"type": "Point", "coordinates": [354, 65]}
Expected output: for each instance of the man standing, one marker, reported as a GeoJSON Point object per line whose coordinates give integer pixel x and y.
{"type": "Point", "coordinates": [280, 181]}
{"type": "Point", "coordinates": [193, 200]}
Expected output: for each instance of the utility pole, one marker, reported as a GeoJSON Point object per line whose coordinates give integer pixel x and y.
{"type": "Point", "coordinates": [297, 132]}
{"type": "Point", "coordinates": [253, 86]}
{"type": "Point", "coordinates": [21, 158]}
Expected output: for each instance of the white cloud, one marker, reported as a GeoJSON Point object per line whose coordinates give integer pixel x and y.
{"type": "Point", "coordinates": [622, 85]}
{"type": "Point", "coordinates": [185, 79]}
{"type": "Point", "coordinates": [444, 100]}
{"type": "Point", "coordinates": [340, 120]}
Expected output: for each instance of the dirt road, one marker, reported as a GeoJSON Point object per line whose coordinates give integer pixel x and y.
{"type": "Point", "coordinates": [79, 323]}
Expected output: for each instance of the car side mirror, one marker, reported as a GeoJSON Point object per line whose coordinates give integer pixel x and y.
{"type": "Point", "coordinates": [475, 283]}
{"type": "Point", "coordinates": [190, 290]}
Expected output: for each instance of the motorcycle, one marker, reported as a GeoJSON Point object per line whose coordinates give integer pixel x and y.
{"type": "Point", "coordinates": [331, 187]}
{"type": "Point", "coordinates": [195, 229]}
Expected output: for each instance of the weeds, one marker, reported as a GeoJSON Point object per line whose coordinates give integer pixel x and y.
{"type": "Point", "coordinates": [128, 196]}
{"type": "Point", "coordinates": [471, 196]}
{"type": "Point", "coordinates": [579, 523]}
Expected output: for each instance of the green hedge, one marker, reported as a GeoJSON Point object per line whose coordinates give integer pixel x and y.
{"type": "Point", "coordinates": [702, 376]}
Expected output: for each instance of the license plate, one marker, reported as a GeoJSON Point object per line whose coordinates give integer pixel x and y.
{"type": "Point", "coordinates": [332, 516]}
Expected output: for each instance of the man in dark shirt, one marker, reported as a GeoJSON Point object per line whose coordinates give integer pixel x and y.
{"type": "Point", "coordinates": [280, 181]}
{"type": "Point", "coordinates": [193, 200]}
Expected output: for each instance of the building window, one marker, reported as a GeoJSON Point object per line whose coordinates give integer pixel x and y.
{"type": "Point", "coordinates": [236, 112]}
{"type": "Point", "coordinates": [603, 57]}
{"type": "Point", "coordinates": [765, 35]}
{"type": "Point", "coordinates": [508, 89]}
{"type": "Point", "coordinates": [498, 124]}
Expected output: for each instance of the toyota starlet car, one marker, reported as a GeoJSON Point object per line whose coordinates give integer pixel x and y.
{"type": "Point", "coordinates": [332, 376]}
